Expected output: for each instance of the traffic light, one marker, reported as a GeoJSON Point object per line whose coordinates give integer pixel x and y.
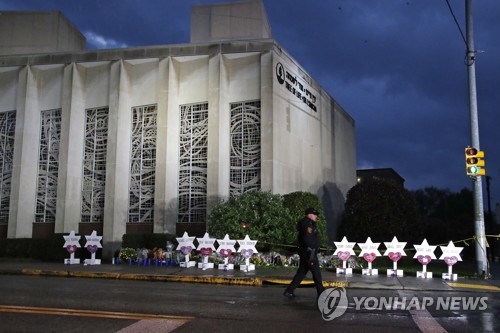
{"type": "Point", "coordinates": [474, 162]}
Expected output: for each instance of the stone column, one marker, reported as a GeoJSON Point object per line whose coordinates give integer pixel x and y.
{"type": "Point", "coordinates": [25, 166]}
{"type": "Point", "coordinates": [69, 186]}
{"type": "Point", "coordinates": [117, 171]}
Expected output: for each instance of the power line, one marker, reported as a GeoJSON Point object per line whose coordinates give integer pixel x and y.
{"type": "Point", "coordinates": [456, 22]}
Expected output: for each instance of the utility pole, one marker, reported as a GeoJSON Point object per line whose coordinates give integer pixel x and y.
{"type": "Point", "coordinates": [488, 195]}
{"type": "Point", "coordinates": [481, 257]}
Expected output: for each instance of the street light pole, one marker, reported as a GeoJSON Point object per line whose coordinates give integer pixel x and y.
{"type": "Point", "coordinates": [482, 264]}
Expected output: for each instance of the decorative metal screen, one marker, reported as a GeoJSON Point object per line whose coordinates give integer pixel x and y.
{"type": "Point", "coordinates": [7, 131]}
{"type": "Point", "coordinates": [142, 164]}
{"type": "Point", "coordinates": [193, 163]}
{"type": "Point", "coordinates": [48, 165]}
{"type": "Point", "coordinates": [245, 160]}
{"type": "Point", "coordinates": [94, 164]}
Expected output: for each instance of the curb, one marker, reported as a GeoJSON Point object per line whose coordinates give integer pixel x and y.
{"type": "Point", "coordinates": [238, 281]}
{"type": "Point", "coordinates": [243, 281]}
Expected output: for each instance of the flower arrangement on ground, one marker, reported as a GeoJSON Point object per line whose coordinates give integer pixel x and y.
{"type": "Point", "coordinates": [127, 254]}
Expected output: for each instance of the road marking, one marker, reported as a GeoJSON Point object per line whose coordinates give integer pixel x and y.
{"type": "Point", "coordinates": [152, 326]}
{"type": "Point", "coordinates": [91, 313]}
{"type": "Point", "coordinates": [424, 320]}
{"type": "Point", "coordinates": [472, 286]}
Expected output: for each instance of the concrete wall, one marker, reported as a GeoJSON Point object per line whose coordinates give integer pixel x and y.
{"type": "Point", "coordinates": [313, 140]}
{"type": "Point", "coordinates": [307, 142]}
{"type": "Point", "coordinates": [38, 32]}
{"type": "Point", "coordinates": [229, 21]}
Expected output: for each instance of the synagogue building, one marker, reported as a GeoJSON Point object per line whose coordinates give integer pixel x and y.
{"type": "Point", "coordinates": [148, 139]}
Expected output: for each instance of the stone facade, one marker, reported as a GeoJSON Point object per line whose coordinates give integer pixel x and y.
{"type": "Point", "coordinates": [143, 139]}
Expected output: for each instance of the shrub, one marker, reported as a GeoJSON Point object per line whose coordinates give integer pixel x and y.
{"type": "Point", "coordinates": [260, 215]}
{"type": "Point", "coordinates": [297, 203]}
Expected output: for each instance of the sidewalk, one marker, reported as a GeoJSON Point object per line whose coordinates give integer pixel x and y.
{"type": "Point", "coordinates": [259, 277]}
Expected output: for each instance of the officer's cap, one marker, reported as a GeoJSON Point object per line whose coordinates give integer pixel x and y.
{"type": "Point", "coordinates": [311, 210]}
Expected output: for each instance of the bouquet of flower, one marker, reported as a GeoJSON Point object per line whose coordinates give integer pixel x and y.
{"type": "Point", "coordinates": [126, 254]}
{"type": "Point", "coordinates": [256, 260]}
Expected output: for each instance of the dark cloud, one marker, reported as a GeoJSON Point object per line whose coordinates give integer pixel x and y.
{"type": "Point", "coordinates": [396, 66]}
{"type": "Point", "coordinates": [398, 69]}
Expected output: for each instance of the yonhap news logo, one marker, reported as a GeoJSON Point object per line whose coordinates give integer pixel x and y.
{"type": "Point", "coordinates": [333, 303]}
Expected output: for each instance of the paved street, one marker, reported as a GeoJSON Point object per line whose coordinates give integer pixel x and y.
{"type": "Point", "coordinates": [54, 304]}
{"type": "Point", "coordinates": [53, 297]}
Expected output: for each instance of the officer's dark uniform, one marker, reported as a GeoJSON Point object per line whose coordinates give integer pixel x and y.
{"type": "Point", "coordinates": [309, 243]}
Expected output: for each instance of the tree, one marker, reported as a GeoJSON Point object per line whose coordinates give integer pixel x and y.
{"type": "Point", "coordinates": [260, 215]}
{"type": "Point", "coordinates": [380, 209]}
{"type": "Point", "coordinates": [445, 215]}
{"type": "Point", "coordinates": [297, 203]}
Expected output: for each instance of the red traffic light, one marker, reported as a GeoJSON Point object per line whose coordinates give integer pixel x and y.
{"type": "Point", "coordinates": [471, 151]}
{"type": "Point", "coordinates": [472, 160]}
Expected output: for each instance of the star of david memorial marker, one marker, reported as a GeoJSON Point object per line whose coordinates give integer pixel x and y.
{"type": "Point", "coordinates": [71, 243]}
{"type": "Point", "coordinates": [451, 255]}
{"type": "Point", "coordinates": [93, 243]}
{"type": "Point", "coordinates": [225, 250]}
{"type": "Point", "coordinates": [424, 254]}
{"type": "Point", "coordinates": [185, 246]}
{"type": "Point", "coordinates": [206, 248]}
{"type": "Point", "coordinates": [247, 250]}
{"type": "Point", "coordinates": [369, 252]}
{"type": "Point", "coordinates": [395, 251]}
{"type": "Point", "coordinates": [343, 252]}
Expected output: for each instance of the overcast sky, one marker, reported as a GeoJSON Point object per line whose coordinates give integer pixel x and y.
{"type": "Point", "coordinates": [396, 66]}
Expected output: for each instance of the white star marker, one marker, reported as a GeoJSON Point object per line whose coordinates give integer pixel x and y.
{"type": "Point", "coordinates": [247, 244]}
{"type": "Point", "coordinates": [206, 247]}
{"type": "Point", "coordinates": [395, 251]}
{"type": "Point", "coordinates": [225, 249]}
{"type": "Point", "coordinates": [247, 249]}
{"type": "Point", "coordinates": [395, 247]}
{"type": "Point", "coordinates": [424, 254]}
{"type": "Point", "coordinates": [93, 243]}
{"type": "Point", "coordinates": [451, 255]}
{"type": "Point", "coordinates": [226, 244]}
{"type": "Point", "coordinates": [93, 240]}
{"type": "Point", "coordinates": [72, 240]}
{"type": "Point", "coordinates": [343, 252]}
{"type": "Point", "coordinates": [185, 241]}
{"type": "Point", "coordinates": [451, 251]}
{"type": "Point", "coordinates": [369, 247]}
{"type": "Point", "coordinates": [369, 251]}
{"type": "Point", "coordinates": [343, 247]}
{"type": "Point", "coordinates": [186, 245]}
{"type": "Point", "coordinates": [425, 249]}
{"type": "Point", "coordinates": [206, 242]}
{"type": "Point", "coordinates": [71, 243]}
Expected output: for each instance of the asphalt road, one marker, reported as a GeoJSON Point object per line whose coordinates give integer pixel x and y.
{"type": "Point", "coordinates": [54, 304]}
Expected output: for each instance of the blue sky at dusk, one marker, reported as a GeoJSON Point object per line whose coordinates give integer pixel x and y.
{"type": "Point", "coordinates": [396, 66]}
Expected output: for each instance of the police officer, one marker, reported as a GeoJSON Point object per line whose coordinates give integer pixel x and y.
{"type": "Point", "coordinates": [309, 242]}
